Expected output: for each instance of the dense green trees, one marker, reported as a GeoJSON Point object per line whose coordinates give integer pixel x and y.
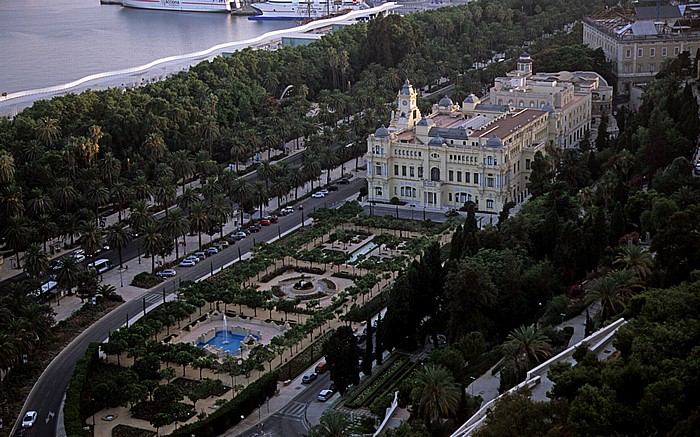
{"type": "Point", "coordinates": [342, 356]}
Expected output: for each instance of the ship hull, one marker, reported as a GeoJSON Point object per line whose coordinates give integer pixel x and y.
{"type": "Point", "coordinates": [276, 11]}
{"type": "Point", "coordinates": [180, 5]}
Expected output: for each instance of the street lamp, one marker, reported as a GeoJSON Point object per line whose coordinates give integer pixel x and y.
{"type": "Point", "coordinates": [413, 207]}
{"type": "Point", "coordinates": [472, 384]}
{"type": "Point", "coordinates": [121, 279]}
{"type": "Point", "coordinates": [562, 317]}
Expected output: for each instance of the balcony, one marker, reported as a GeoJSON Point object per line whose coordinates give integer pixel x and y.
{"type": "Point", "coordinates": [432, 184]}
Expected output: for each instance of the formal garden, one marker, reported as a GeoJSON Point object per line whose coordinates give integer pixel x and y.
{"type": "Point", "coordinates": [267, 317]}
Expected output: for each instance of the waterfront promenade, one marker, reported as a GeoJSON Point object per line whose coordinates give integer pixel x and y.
{"type": "Point", "coordinates": [13, 103]}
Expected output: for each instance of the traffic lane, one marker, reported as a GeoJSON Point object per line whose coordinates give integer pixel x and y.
{"type": "Point", "coordinates": [47, 394]}
{"type": "Point", "coordinates": [289, 421]}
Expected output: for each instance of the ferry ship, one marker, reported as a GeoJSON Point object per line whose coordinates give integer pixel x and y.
{"type": "Point", "coordinates": [181, 5]}
{"type": "Point", "coordinates": [304, 9]}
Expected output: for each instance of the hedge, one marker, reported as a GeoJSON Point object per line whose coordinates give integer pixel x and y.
{"type": "Point", "coordinates": [229, 414]}
{"type": "Point", "coordinates": [374, 383]}
{"type": "Point", "coordinates": [293, 368]}
{"type": "Point", "coordinates": [74, 422]}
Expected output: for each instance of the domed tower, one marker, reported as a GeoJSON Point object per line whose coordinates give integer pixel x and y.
{"type": "Point", "coordinates": [525, 65]}
{"type": "Point", "coordinates": [407, 108]}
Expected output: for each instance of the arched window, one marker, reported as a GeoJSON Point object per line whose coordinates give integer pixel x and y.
{"type": "Point", "coordinates": [434, 174]}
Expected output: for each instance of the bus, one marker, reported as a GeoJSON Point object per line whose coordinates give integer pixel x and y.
{"type": "Point", "coordinates": [101, 265]}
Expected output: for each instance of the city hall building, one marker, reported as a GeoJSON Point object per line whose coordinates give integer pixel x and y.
{"type": "Point", "coordinates": [479, 151]}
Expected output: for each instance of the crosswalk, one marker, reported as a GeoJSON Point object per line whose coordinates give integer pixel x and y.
{"type": "Point", "coordinates": [152, 298]}
{"type": "Point", "coordinates": [293, 411]}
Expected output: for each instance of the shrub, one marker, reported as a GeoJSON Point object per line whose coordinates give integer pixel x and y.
{"type": "Point", "coordinates": [380, 404]}
{"type": "Point", "coordinates": [146, 280]}
{"type": "Point", "coordinates": [74, 417]}
{"type": "Point", "coordinates": [229, 414]}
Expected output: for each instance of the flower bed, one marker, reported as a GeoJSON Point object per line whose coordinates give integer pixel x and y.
{"type": "Point", "coordinates": [372, 386]}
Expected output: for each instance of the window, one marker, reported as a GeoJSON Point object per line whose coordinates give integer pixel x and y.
{"type": "Point", "coordinates": [640, 53]}
{"type": "Point", "coordinates": [420, 171]}
{"type": "Point", "coordinates": [396, 170]}
{"type": "Point", "coordinates": [675, 51]}
{"type": "Point", "coordinates": [639, 68]}
{"type": "Point", "coordinates": [652, 52]}
{"type": "Point", "coordinates": [459, 176]}
{"type": "Point", "coordinates": [476, 178]}
{"type": "Point", "coordinates": [651, 68]}
{"type": "Point", "coordinates": [411, 172]}
{"type": "Point", "coordinates": [403, 170]}
{"type": "Point", "coordinates": [451, 175]}
{"type": "Point", "coordinates": [378, 170]}
{"type": "Point", "coordinates": [434, 174]}
{"type": "Point", "coordinates": [489, 204]}
{"type": "Point", "coordinates": [628, 53]}
{"type": "Point", "coordinates": [527, 164]}
{"type": "Point", "coordinates": [664, 51]}
{"type": "Point", "coordinates": [466, 176]}
{"type": "Point", "coordinates": [449, 195]}
{"type": "Point", "coordinates": [377, 191]}
{"type": "Point", "coordinates": [489, 182]}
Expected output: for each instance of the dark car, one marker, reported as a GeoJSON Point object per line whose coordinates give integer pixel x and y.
{"type": "Point", "coordinates": [332, 188]}
{"type": "Point", "coordinates": [344, 181]}
{"type": "Point", "coordinates": [306, 379]}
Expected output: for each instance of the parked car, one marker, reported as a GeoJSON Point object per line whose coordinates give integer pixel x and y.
{"type": "Point", "coordinates": [195, 259]}
{"type": "Point", "coordinates": [212, 250]}
{"type": "Point", "coordinates": [318, 195]}
{"type": "Point", "coordinates": [221, 243]}
{"type": "Point", "coordinates": [344, 181]}
{"type": "Point", "coordinates": [255, 227]}
{"type": "Point", "coordinates": [324, 395]}
{"type": "Point", "coordinates": [78, 257]}
{"type": "Point", "coordinates": [29, 419]}
{"type": "Point", "coordinates": [306, 379]}
{"type": "Point", "coordinates": [187, 263]}
{"type": "Point", "coordinates": [264, 222]}
{"type": "Point", "coordinates": [332, 188]}
{"type": "Point", "coordinates": [167, 273]}
{"type": "Point", "coordinates": [321, 367]}
{"type": "Point", "coordinates": [200, 254]}
{"type": "Point", "coordinates": [272, 218]}
{"type": "Point", "coordinates": [286, 210]}
{"type": "Point", "coordinates": [324, 191]}
{"type": "Point", "coordinates": [240, 235]}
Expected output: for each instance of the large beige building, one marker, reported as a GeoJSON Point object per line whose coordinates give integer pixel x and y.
{"type": "Point", "coordinates": [481, 150]}
{"type": "Point", "coordinates": [454, 155]}
{"type": "Point", "coordinates": [638, 40]}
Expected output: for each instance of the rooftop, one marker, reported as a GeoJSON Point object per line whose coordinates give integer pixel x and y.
{"type": "Point", "coordinates": [505, 126]}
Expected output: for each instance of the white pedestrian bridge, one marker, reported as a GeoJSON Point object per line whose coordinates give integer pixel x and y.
{"type": "Point", "coordinates": [12, 103]}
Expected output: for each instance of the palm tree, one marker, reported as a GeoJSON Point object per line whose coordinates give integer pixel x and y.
{"type": "Point", "coordinates": [209, 130]}
{"type": "Point", "coordinates": [155, 147]}
{"type": "Point", "coordinates": [47, 130]}
{"type": "Point", "coordinates": [35, 260]}
{"type": "Point", "coordinates": [69, 225]}
{"type": "Point", "coordinates": [8, 350]}
{"type": "Point", "coordinates": [241, 192]}
{"type": "Point", "coordinates": [435, 395]}
{"type": "Point", "coordinates": [333, 423]}
{"type": "Point", "coordinates": [39, 203]}
{"type": "Point", "coordinates": [64, 193]}
{"type": "Point", "coordinates": [109, 167]}
{"type": "Point", "coordinates": [152, 242]}
{"type": "Point", "coordinates": [635, 258]}
{"type": "Point", "coordinates": [90, 237]}
{"type": "Point", "coordinates": [296, 179]}
{"type": "Point", "coordinates": [15, 231]}
{"type": "Point", "coordinates": [183, 166]}
{"type": "Point", "coordinates": [261, 196]}
{"type": "Point", "coordinates": [199, 220]}
{"type": "Point", "coordinates": [97, 195]}
{"type": "Point", "coordinates": [219, 211]}
{"type": "Point", "coordinates": [40, 320]}
{"type": "Point", "coordinates": [46, 228]}
{"type": "Point", "coordinates": [529, 345]}
{"type": "Point", "coordinates": [188, 198]}
{"type": "Point", "coordinates": [11, 201]}
{"type": "Point", "coordinates": [164, 193]}
{"type": "Point", "coordinates": [33, 151]}
{"type": "Point", "coordinates": [69, 273]}
{"type": "Point", "coordinates": [174, 226]}
{"type": "Point", "coordinates": [7, 167]}
{"type": "Point", "coordinates": [142, 189]}
{"type": "Point", "coordinates": [120, 196]}
{"type": "Point", "coordinates": [265, 172]}
{"type": "Point", "coordinates": [139, 216]}
{"type": "Point", "coordinates": [609, 293]}
{"type": "Point", "coordinates": [118, 237]}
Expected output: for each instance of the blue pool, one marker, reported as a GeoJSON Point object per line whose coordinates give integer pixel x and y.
{"type": "Point", "coordinates": [362, 251]}
{"type": "Point", "coordinates": [234, 341]}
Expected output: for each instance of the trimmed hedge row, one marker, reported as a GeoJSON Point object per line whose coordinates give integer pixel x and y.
{"type": "Point", "coordinates": [371, 386]}
{"type": "Point", "coordinates": [74, 422]}
{"type": "Point", "coordinates": [293, 368]}
{"type": "Point", "coordinates": [229, 414]}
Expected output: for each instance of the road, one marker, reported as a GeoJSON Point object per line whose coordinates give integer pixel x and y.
{"type": "Point", "coordinates": [291, 421]}
{"type": "Point", "coordinates": [47, 394]}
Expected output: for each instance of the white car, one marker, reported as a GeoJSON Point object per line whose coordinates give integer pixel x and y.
{"type": "Point", "coordinates": [192, 258]}
{"type": "Point", "coordinates": [29, 419]}
{"type": "Point", "coordinates": [324, 191]}
{"type": "Point", "coordinates": [78, 257]}
{"type": "Point", "coordinates": [167, 273]}
{"type": "Point", "coordinates": [286, 210]}
{"type": "Point", "coordinates": [187, 263]}
{"type": "Point", "coordinates": [318, 195]}
{"type": "Point", "coordinates": [324, 395]}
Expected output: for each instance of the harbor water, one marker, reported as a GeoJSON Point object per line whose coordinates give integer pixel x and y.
{"type": "Point", "coordinates": [46, 43]}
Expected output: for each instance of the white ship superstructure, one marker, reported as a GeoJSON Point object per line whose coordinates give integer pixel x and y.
{"type": "Point", "coordinates": [304, 9]}
{"type": "Point", "coordinates": [181, 5]}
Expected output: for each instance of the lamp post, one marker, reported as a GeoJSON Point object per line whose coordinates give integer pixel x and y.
{"type": "Point", "coordinates": [413, 208]}
{"type": "Point", "coordinates": [423, 212]}
{"type": "Point", "coordinates": [472, 384]}
{"type": "Point", "coordinates": [562, 317]}
{"type": "Point", "coordinates": [121, 279]}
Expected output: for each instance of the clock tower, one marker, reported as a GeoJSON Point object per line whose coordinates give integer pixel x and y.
{"type": "Point", "coordinates": [407, 112]}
